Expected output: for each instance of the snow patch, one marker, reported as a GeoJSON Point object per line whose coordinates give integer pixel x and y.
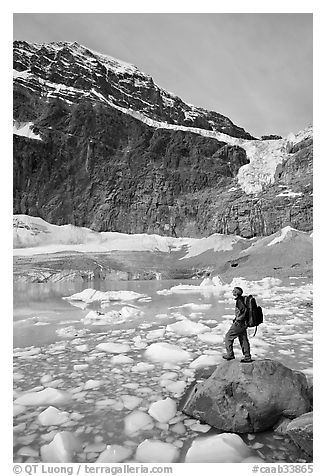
{"type": "Point", "coordinates": [25, 129]}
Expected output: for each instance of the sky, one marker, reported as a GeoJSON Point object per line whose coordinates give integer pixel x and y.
{"type": "Point", "coordinates": [255, 68]}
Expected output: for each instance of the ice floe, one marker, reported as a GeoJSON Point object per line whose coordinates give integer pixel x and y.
{"type": "Point", "coordinates": [165, 352]}
{"type": "Point", "coordinates": [130, 401]}
{"type": "Point", "coordinates": [163, 410]}
{"type": "Point", "coordinates": [48, 396]}
{"type": "Point", "coordinates": [113, 347]}
{"type": "Point", "coordinates": [136, 422]}
{"type": "Point", "coordinates": [71, 331]}
{"type": "Point", "coordinates": [154, 451]}
{"type": "Point", "coordinates": [53, 416]}
{"type": "Point", "coordinates": [91, 295]}
{"type": "Point", "coordinates": [223, 448]}
{"type": "Point", "coordinates": [205, 361]}
{"type": "Point", "coordinates": [121, 360]}
{"type": "Point", "coordinates": [62, 449]}
{"type": "Point", "coordinates": [114, 454]}
{"type": "Point", "coordinates": [211, 338]}
{"type": "Point", "coordinates": [187, 328]}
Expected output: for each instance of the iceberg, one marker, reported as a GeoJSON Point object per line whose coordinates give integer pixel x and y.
{"type": "Point", "coordinates": [223, 448]}
{"type": "Point", "coordinates": [136, 422]}
{"type": "Point", "coordinates": [163, 410]}
{"type": "Point", "coordinates": [164, 352]}
{"type": "Point", "coordinates": [53, 416]}
{"type": "Point", "coordinates": [113, 347]}
{"type": "Point", "coordinates": [154, 451]}
{"type": "Point", "coordinates": [61, 449]}
{"type": "Point", "coordinates": [114, 454]}
{"type": "Point", "coordinates": [48, 396]}
{"type": "Point", "coordinates": [187, 328]}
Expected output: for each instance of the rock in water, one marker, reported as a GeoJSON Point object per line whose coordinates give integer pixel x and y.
{"type": "Point", "coordinates": [224, 448]}
{"type": "Point", "coordinates": [61, 449]}
{"type": "Point", "coordinates": [246, 398]}
{"type": "Point", "coordinates": [300, 431]}
{"type": "Point", "coordinates": [153, 451]}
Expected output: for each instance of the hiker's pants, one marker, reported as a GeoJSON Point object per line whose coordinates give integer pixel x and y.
{"type": "Point", "coordinates": [237, 330]}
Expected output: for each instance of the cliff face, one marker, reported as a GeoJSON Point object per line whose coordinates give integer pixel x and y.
{"type": "Point", "coordinates": [90, 149]}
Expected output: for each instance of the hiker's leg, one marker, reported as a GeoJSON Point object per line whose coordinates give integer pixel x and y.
{"type": "Point", "coordinates": [244, 342]}
{"type": "Point", "coordinates": [229, 338]}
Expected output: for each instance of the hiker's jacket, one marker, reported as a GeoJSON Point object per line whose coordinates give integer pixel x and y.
{"type": "Point", "coordinates": [240, 310]}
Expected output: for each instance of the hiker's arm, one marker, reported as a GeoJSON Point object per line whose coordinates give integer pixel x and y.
{"type": "Point", "coordinates": [242, 312]}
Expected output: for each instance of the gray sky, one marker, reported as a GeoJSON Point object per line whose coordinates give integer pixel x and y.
{"type": "Point", "coordinates": [254, 68]}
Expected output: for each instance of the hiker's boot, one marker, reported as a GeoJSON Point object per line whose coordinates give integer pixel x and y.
{"type": "Point", "coordinates": [228, 357]}
{"type": "Point", "coordinates": [246, 360]}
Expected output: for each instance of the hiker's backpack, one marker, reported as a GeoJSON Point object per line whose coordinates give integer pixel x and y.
{"type": "Point", "coordinates": [254, 315]}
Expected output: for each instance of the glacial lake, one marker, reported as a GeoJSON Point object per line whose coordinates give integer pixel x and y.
{"type": "Point", "coordinates": [48, 331]}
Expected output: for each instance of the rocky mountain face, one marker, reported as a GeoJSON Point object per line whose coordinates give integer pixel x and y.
{"type": "Point", "coordinates": [98, 144]}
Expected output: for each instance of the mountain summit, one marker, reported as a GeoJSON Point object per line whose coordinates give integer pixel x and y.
{"type": "Point", "coordinates": [98, 144]}
{"type": "Point", "coordinates": [73, 72]}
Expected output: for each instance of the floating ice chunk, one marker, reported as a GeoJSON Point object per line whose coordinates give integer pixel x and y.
{"type": "Point", "coordinates": [113, 347]}
{"type": "Point", "coordinates": [169, 376]}
{"type": "Point", "coordinates": [27, 451]}
{"type": "Point", "coordinates": [164, 292]}
{"type": "Point", "coordinates": [114, 454]}
{"type": "Point", "coordinates": [179, 428]}
{"type": "Point", "coordinates": [211, 338]}
{"type": "Point", "coordinates": [46, 378]}
{"type": "Point", "coordinates": [91, 295]}
{"type": "Point", "coordinates": [187, 328]}
{"type": "Point", "coordinates": [121, 359]}
{"type": "Point", "coordinates": [27, 353]}
{"type": "Point", "coordinates": [223, 448]}
{"type": "Point", "coordinates": [253, 459]}
{"type": "Point", "coordinates": [200, 427]}
{"type": "Point", "coordinates": [81, 367]}
{"type": "Point", "coordinates": [163, 410]}
{"type": "Point", "coordinates": [91, 384]}
{"type": "Point", "coordinates": [137, 421]}
{"type": "Point", "coordinates": [128, 311]}
{"type": "Point", "coordinates": [18, 409]}
{"type": "Point", "coordinates": [153, 451]}
{"type": "Point", "coordinates": [71, 331]}
{"type": "Point", "coordinates": [82, 348]}
{"type": "Point", "coordinates": [130, 401]}
{"type": "Point", "coordinates": [155, 334]}
{"type": "Point", "coordinates": [61, 449]}
{"type": "Point", "coordinates": [95, 447]}
{"type": "Point", "coordinates": [197, 307]}
{"type": "Point", "coordinates": [142, 367]}
{"type": "Point", "coordinates": [164, 352]}
{"type": "Point", "coordinates": [204, 361]}
{"type": "Point", "coordinates": [48, 396]}
{"type": "Point", "coordinates": [53, 416]}
{"type": "Point", "coordinates": [107, 401]}
{"type": "Point", "coordinates": [85, 295]}
{"type": "Point", "coordinates": [176, 387]}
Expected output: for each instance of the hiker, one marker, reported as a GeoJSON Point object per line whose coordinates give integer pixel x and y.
{"type": "Point", "coordinates": [238, 329]}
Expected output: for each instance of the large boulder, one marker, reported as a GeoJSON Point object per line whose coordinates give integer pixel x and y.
{"type": "Point", "coordinates": [300, 431]}
{"type": "Point", "coordinates": [252, 397]}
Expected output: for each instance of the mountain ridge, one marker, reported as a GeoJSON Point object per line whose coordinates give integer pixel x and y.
{"type": "Point", "coordinates": [99, 164]}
